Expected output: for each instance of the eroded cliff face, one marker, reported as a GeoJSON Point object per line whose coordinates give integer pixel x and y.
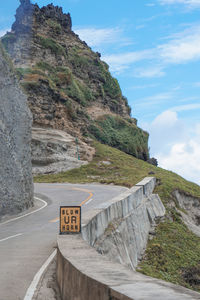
{"type": "Point", "coordinates": [69, 88]}
{"type": "Point", "coordinates": [16, 187]}
{"type": "Point", "coordinates": [190, 210]}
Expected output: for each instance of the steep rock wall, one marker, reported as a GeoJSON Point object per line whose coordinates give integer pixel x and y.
{"type": "Point", "coordinates": [16, 187]}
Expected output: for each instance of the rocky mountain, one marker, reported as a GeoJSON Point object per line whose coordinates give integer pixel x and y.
{"type": "Point", "coordinates": [69, 87]}
{"type": "Point", "coordinates": [16, 187]}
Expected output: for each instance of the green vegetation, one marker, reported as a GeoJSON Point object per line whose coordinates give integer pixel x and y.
{"type": "Point", "coordinates": [6, 57]}
{"type": "Point", "coordinates": [119, 133]}
{"type": "Point", "coordinates": [79, 92]}
{"type": "Point", "coordinates": [111, 85]}
{"type": "Point", "coordinates": [51, 44]}
{"type": "Point", "coordinates": [127, 105]}
{"type": "Point", "coordinates": [55, 26]}
{"type": "Point", "coordinates": [124, 170]}
{"type": "Point", "coordinates": [29, 85]}
{"type": "Point", "coordinates": [173, 254]}
{"type": "Point", "coordinates": [45, 66]}
{"type": "Point", "coordinates": [8, 38]}
{"type": "Point", "coordinates": [60, 79]}
{"type": "Point", "coordinates": [80, 62]}
{"type": "Point", "coordinates": [23, 72]}
{"type": "Point", "coordinates": [84, 65]}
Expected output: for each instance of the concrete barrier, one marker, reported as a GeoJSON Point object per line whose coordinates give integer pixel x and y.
{"type": "Point", "coordinates": [84, 274]}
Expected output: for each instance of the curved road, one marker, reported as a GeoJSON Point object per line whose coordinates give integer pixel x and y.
{"type": "Point", "coordinates": [27, 242]}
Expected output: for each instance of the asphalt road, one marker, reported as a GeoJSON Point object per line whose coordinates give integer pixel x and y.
{"type": "Point", "coordinates": [27, 242]}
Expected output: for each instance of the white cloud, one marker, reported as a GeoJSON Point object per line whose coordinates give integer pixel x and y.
{"type": "Point", "coordinates": [96, 37]}
{"type": "Point", "coordinates": [184, 159]}
{"type": "Point", "coordinates": [196, 84]}
{"type": "Point", "coordinates": [149, 72]}
{"type": "Point", "coordinates": [150, 4]}
{"type": "Point", "coordinates": [164, 131]}
{"type": "Point", "coordinates": [119, 62]}
{"type": "Point", "coordinates": [188, 3]}
{"type": "Point", "coordinates": [186, 107]}
{"type": "Point", "coordinates": [138, 27]}
{"type": "Point", "coordinates": [175, 145]}
{"type": "Point", "coordinates": [156, 99]}
{"type": "Point", "coordinates": [183, 48]}
{"type": "Point", "coordinates": [144, 86]}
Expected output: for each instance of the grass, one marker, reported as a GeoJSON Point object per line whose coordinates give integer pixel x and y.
{"type": "Point", "coordinates": [111, 85]}
{"type": "Point", "coordinates": [51, 44]}
{"type": "Point", "coordinates": [121, 134]}
{"type": "Point", "coordinates": [55, 26]}
{"type": "Point", "coordinates": [7, 39]}
{"type": "Point", "coordinates": [6, 57]}
{"type": "Point", "coordinates": [60, 79]}
{"type": "Point", "coordinates": [124, 170]}
{"type": "Point", "coordinates": [173, 254]}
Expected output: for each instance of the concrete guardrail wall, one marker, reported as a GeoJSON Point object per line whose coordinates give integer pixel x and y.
{"type": "Point", "coordinates": [84, 274]}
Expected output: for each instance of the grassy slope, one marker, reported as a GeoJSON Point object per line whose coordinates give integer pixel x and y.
{"type": "Point", "coordinates": [174, 253]}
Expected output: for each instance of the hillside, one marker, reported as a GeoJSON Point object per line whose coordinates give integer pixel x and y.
{"type": "Point", "coordinates": [69, 87]}
{"type": "Point", "coordinates": [173, 249]}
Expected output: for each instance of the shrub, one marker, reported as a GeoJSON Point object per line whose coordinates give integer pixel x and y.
{"type": "Point", "coordinates": [64, 77]}
{"type": "Point", "coordinates": [118, 133]}
{"type": "Point", "coordinates": [127, 105]}
{"type": "Point", "coordinates": [32, 77]}
{"type": "Point", "coordinates": [8, 38]}
{"type": "Point", "coordinates": [22, 72]}
{"type": "Point", "coordinates": [80, 61]}
{"type": "Point", "coordinates": [45, 66]}
{"type": "Point", "coordinates": [110, 85]}
{"type": "Point", "coordinates": [49, 43]}
{"type": "Point", "coordinates": [26, 85]}
{"type": "Point", "coordinates": [153, 161]}
{"type": "Point", "coordinates": [55, 26]}
{"type": "Point", "coordinates": [74, 92]}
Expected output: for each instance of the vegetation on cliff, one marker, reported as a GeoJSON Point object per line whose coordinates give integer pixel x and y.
{"type": "Point", "coordinates": [64, 78]}
{"type": "Point", "coordinates": [122, 134]}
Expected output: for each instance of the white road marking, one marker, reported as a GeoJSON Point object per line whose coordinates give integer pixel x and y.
{"type": "Point", "coordinates": [10, 237]}
{"type": "Point", "coordinates": [17, 218]}
{"type": "Point", "coordinates": [31, 290]}
{"type": "Point", "coordinates": [88, 201]}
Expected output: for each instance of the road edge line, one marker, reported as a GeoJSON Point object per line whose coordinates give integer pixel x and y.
{"type": "Point", "coordinates": [32, 288]}
{"type": "Point", "coordinates": [10, 237]}
{"type": "Point", "coordinates": [30, 213]}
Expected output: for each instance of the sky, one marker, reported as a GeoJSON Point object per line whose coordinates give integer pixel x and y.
{"type": "Point", "coordinates": [153, 49]}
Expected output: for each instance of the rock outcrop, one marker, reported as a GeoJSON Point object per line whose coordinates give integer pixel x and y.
{"type": "Point", "coordinates": [66, 81]}
{"type": "Point", "coordinates": [56, 151]}
{"type": "Point", "coordinates": [16, 187]}
{"type": "Point", "coordinates": [189, 208]}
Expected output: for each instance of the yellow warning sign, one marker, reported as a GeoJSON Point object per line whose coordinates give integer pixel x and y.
{"type": "Point", "coordinates": [70, 219]}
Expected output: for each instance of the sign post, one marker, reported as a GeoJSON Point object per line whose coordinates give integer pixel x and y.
{"type": "Point", "coordinates": [70, 219]}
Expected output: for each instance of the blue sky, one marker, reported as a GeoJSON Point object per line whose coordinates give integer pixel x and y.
{"type": "Point", "coordinates": [153, 49]}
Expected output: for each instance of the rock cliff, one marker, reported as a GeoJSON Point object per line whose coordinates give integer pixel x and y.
{"type": "Point", "coordinates": [69, 88]}
{"type": "Point", "coordinates": [16, 188]}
